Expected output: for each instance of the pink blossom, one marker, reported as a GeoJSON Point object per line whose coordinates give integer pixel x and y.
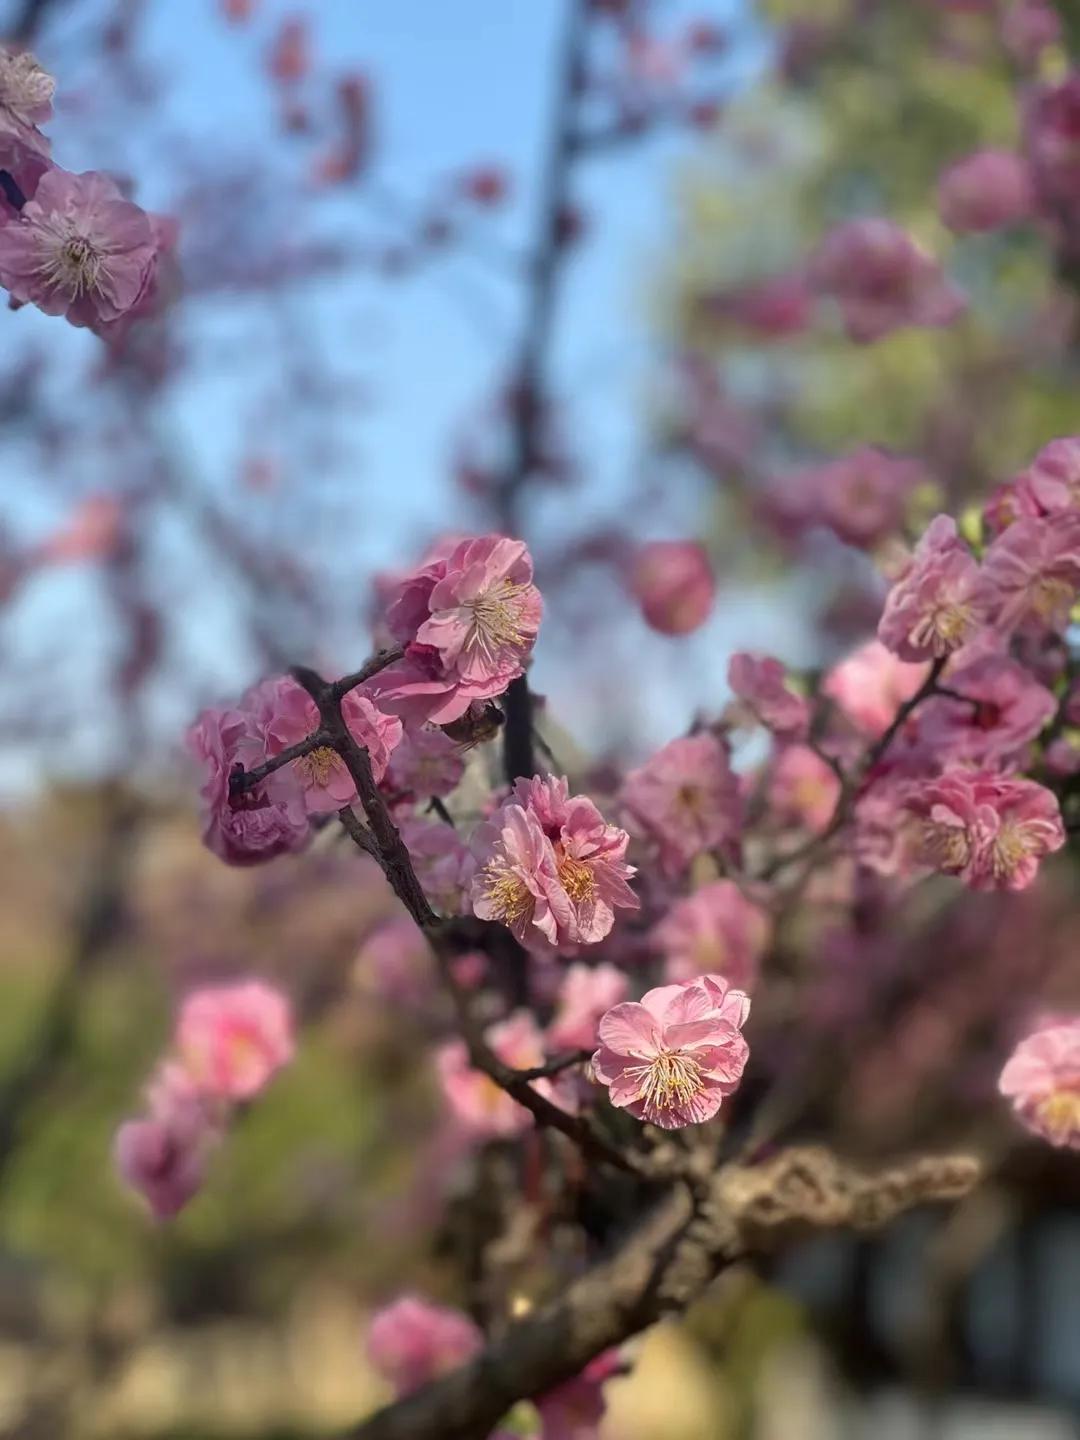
{"type": "Point", "coordinates": [585, 992]}
{"type": "Point", "coordinates": [716, 930]}
{"type": "Point", "coordinates": [985, 191]}
{"type": "Point", "coordinates": [759, 682]}
{"type": "Point", "coordinates": [426, 762]}
{"type": "Point", "coordinates": [871, 684]}
{"type": "Point", "coordinates": [482, 1108]}
{"type": "Point", "coordinates": [468, 620]}
{"type": "Point", "coordinates": [396, 960]}
{"type": "Point", "coordinates": [1031, 573]}
{"type": "Point", "coordinates": [988, 829]}
{"type": "Point", "coordinates": [774, 308]}
{"type": "Point", "coordinates": [253, 826]}
{"type": "Point", "coordinates": [319, 782]}
{"type": "Point", "coordinates": [672, 1058]}
{"type": "Point", "coordinates": [1042, 1079]}
{"type": "Point", "coordinates": [26, 92]}
{"type": "Point", "coordinates": [444, 864]}
{"type": "Point", "coordinates": [803, 789]}
{"type": "Point", "coordinates": [234, 1038]}
{"type": "Point", "coordinates": [78, 249]}
{"type": "Point", "coordinates": [574, 1409]}
{"type": "Point", "coordinates": [1028, 27]}
{"type": "Point", "coordinates": [937, 604]}
{"type": "Point", "coordinates": [164, 1154]}
{"type": "Point", "coordinates": [548, 861]}
{"type": "Point", "coordinates": [883, 280]}
{"type": "Point", "coordinates": [1010, 501]}
{"type": "Point", "coordinates": [863, 496]}
{"type": "Point", "coordinates": [1051, 136]}
{"type": "Point", "coordinates": [673, 583]}
{"type": "Point", "coordinates": [412, 1341]}
{"type": "Point", "coordinates": [1003, 710]}
{"type": "Point", "coordinates": [883, 838]}
{"type": "Point", "coordinates": [686, 798]}
{"type": "Point", "coordinates": [1053, 477]}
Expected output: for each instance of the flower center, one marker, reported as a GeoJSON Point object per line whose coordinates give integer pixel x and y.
{"type": "Point", "coordinates": [1049, 596]}
{"type": "Point", "coordinates": [577, 879]}
{"type": "Point", "coordinates": [496, 622]}
{"type": "Point", "coordinates": [670, 1079]}
{"type": "Point", "coordinates": [510, 898]}
{"type": "Point", "coordinates": [73, 263]}
{"type": "Point", "coordinates": [1060, 1113]}
{"type": "Point", "coordinates": [24, 85]}
{"type": "Point", "coordinates": [945, 847]}
{"type": "Point", "coordinates": [1011, 847]}
{"type": "Point", "coordinates": [317, 767]}
{"type": "Point", "coordinates": [945, 628]}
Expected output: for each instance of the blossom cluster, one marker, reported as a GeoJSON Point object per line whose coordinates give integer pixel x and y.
{"type": "Point", "coordinates": [71, 244]}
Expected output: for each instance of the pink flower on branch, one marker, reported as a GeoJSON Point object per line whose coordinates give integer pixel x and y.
{"type": "Point", "coordinates": [26, 93]}
{"type": "Point", "coordinates": [585, 993]}
{"type": "Point", "coordinates": [938, 603]}
{"type": "Point", "coordinates": [425, 763]}
{"type": "Point", "coordinates": [412, 1341]}
{"type": "Point", "coordinates": [995, 708]}
{"type": "Point", "coordinates": [759, 681]}
{"type": "Point", "coordinates": [985, 191]}
{"type": "Point", "coordinates": [164, 1154]}
{"type": "Point", "coordinates": [871, 684]}
{"type": "Point", "coordinates": [673, 583]}
{"type": "Point", "coordinates": [233, 1039]}
{"type": "Point", "coordinates": [672, 1058]}
{"type": "Point", "coordinates": [482, 1108]}
{"type": "Point", "coordinates": [716, 930]}
{"type": "Point", "coordinates": [1031, 573]}
{"type": "Point", "coordinates": [686, 799]}
{"type": "Point", "coordinates": [1042, 1079]}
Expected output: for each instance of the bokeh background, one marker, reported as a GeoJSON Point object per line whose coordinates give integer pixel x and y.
{"type": "Point", "coordinates": [336, 384]}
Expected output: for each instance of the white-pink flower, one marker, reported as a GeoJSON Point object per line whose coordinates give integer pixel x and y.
{"type": "Point", "coordinates": [1042, 1079]}
{"type": "Point", "coordinates": [585, 992]}
{"type": "Point", "coordinates": [164, 1154]}
{"type": "Point", "coordinates": [716, 930]}
{"type": "Point", "coordinates": [412, 1341]}
{"type": "Point", "coordinates": [482, 1108]}
{"type": "Point", "coordinates": [672, 1058]}
{"type": "Point", "coordinates": [685, 798]}
{"type": "Point", "coordinates": [938, 603]}
{"type": "Point", "coordinates": [760, 682]}
{"type": "Point", "coordinates": [233, 1038]}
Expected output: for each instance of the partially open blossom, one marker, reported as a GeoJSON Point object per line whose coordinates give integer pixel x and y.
{"type": "Point", "coordinates": [395, 962]}
{"type": "Point", "coordinates": [871, 684]}
{"type": "Point", "coordinates": [320, 782]}
{"type": "Point", "coordinates": [883, 280]}
{"type": "Point", "coordinates": [26, 92]}
{"type": "Point", "coordinates": [759, 682]}
{"type": "Point", "coordinates": [412, 1341]}
{"type": "Point", "coordinates": [585, 992]}
{"type": "Point", "coordinates": [574, 1409]}
{"type": "Point", "coordinates": [985, 191]}
{"type": "Point", "coordinates": [482, 1108]}
{"type": "Point", "coordinates": [251, 827]}
{"type": "Point", "coordinates": [863, 496]}
{"type": "Point", "coordinates": [78, 249]}
{"type": "Point", "coordinates": [1031, 573]}
{"type": "Point", "coordinates": [234, 1038]}
{"type": "Point", "coordinates": [1042, 1079]}
{"type": "Point", "coordinates": [426, 762]}
{"type": "Point", "coordinates": [715, 930]}
{"type": "Point", "coordinates": [163, 1155]}
{"type": "Point", "coordinates": [937, 604]}
{"type": "Point", "coordinates": [468, 620]}
{"type": "Point", "coordinates": [988, 829]}
{"type": "Point", "coordinates": [1053, 477]}
{"type": "Point", "coordinates": [548, 862]}
{"type": "Point", "coordinates": [1002, 710]}
{"type": "Point", "coordinates": [443, 863]}
{"type": "Point", "coordinates": [685, 798]}
{"type": "Point", "coordinates": [674, 585]}
{"type": "Point", "coordinates": [1008, 502]}
{"type": "Point", "coordinates": [672, 1057]}
{"type": "Point", "coordinates": [803, 788]}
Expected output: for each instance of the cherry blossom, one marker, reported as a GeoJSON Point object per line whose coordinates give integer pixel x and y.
{"type": "Point", "coordinates": [1042, 1079]}
{"type": "Point", "coordinates": [686, 798]}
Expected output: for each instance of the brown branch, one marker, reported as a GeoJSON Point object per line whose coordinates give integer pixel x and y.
{"type": "Point", "coordinates": [379, 661]}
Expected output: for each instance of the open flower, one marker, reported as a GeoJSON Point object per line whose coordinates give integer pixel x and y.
{"type": "Point", "coordinates": [871, 684]}
{"type": "Point", "coordinates": [716, 930]}
{"type": "Point", "coordinates": [1031, 573]}
{"type": "Point", "coordinates": [672, 1058]}
{"type": "Point", "coordinates": [26, 92]}
{"type": "Point", "coordinates": [483, 1109]}
{"type": "Point", "coordinates": [686, 798]}
{"type": "Point", "coordinates": [163, 1155]}
{"type": "Point", "coordinates": [994, 709]}
{"type": "Point", "coordinates": [233, 1039]}
{"type": "Point", "coordinates": [585, 993]}
{"type": "Point", "coordinates": [426, 762]}
{"type": "Point", "coordinates": [937, 604]}
{"type": "Point", "coordinates": [985, 191]}
{"type": "Point", "coordinates": [1042, 1079]}
{"type": "Point", "coordinates": [412, 1341]}
{"type": "Point", "coordinates": [760, 683]}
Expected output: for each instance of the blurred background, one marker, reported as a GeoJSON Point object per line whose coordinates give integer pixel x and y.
{"type": "Point", "coordinates": [534, 265]}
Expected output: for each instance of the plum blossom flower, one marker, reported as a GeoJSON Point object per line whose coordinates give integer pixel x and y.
{"type": "Point", "coordinates": [585, 992]}
{"type": "Point", "coordinates": [871, 684]}
{"type": "Point", "coordinates": [412, 1341]}
{"type": "Point", "coordinates": [716, 930]}
{"type": "Point", "coordinates": [468, 620]}
{"type": "Point", "coordinates": [988, 829]}
{"type": "Point", "coordinates": [1042, 1079]}
{"type": "Point", "coordinates": [774, 308]}
{"type": "Point", "coordinates": [863, 496]}
{"type": "Point", "coordinates": [163, 1155]}
{"type": "Point", "coordinates": [759, 682]}
{"type": "Point", "coordinates": [395, 960]}
{"type": "Point", "coordinates": [1053, 477]}
{"type": "Point", "coordinates": [443, 863]}
{"type": "Point", "coordinates": [673, 583]}
{"type": "Point", "coordinates": [234, 1038]}
{"type": "Point", "coordinates": [803, 788]}
{"type": "Point", "coordinates": [26, 93]}
{"type": "Point", "coordinates": [985, 191]}
{"type": "Point", "coordinates": [549, 862]}
{"type": "Point", "coordinates": [1002, 709]}
{"type": "Point", "coordinates": [574, 1409]}
{"type": "Point", "coordinates": [320, 782]}
{"type": "Point", "coordinates": [672, 1057]}
{"type": "Point", "coordinates": [251, 827]}
{"type": "Point", "coordinates": [937, 604]}
{"type": "Point", "coordinates": [426, 762]}
{"type": "Point", "coordinates": [78, 249]}
{"type": "Point", "coordinates": [1031, 573]}
{"type": "Point", "coordinates": [1010, 501]}
{"type": "Point", "coordinates": [1028, 27]}
{"type": "Point", "coordinates": [482, 1108]}
{"type": "Point", "coordinates": [883, 280]}
{"type": "Point", "coordinates": [686, 798]}
{"type": "Point", "coordinates": [1051, 132]}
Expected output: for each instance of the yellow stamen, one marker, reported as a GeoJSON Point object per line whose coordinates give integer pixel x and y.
{"type": "Point", "coordinates": [507, 894]}
{"type": "Point", "coordinates": [1011, 847]}
{"type": "Point", "coordinates": [577, 879]}
{"type": "Point", "coordinates": [318, 766]}
{"type": "Point", "coordinates": [1060, 1114]}
{"type": "Point", "coordinates": [497, 616]}
{"type": "Point", "coordinates": [945, 847]}
{"type": "Point", "coordinates": [672, 1078]}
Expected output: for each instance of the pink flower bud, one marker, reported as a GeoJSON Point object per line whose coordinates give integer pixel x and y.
{"type": "Point", "coordinates": [674, 585]}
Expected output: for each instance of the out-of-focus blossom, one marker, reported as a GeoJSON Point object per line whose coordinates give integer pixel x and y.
{"type": "Point", "coordinates": [863, 497]}
{"type": "Point", "coordinates": [92, 532]}
{"type": "Point", "coordinates": [443, 863]}
{"type": "Point", "coordinates": [412, 1341]}
{"type": "Point", "coordinates": [759, 682]}
{"type": "Point", "coordinates": [1052, 480]}
{"type": "Point", "coordinates": [486, 185]}
{"type": "Point", "coordinates": [1051, 135]}
{"type": "Point", "coordinates": [1042, 1079]}
{"type": "Point", "coordinates": [163, 1155]}
{"type": "Point", "coordinates": [937, 605]}
{"type": "Point", "coordinates": [685, 798]}
{"type": "Point", "coordinates": [803, 788]}
{"type": "Point", "coordinates": [585, 992]}
{"type": "Point", "coordinates": [395, 961]}
{"type": "Point", "coordinates": [883, 280]}
{"type": "Point", "coordinates": [884, 839]}
{"type": "Point", "coordinates": [871, 684]}
{"type": "Point", "coordinates": [1010, 501]}
{"type": "Point", "coordinates": [549, 861]}
{"type": "Point", "coordinates": [1003, 709]}
{"type": "Point", "coordinates": [233, 1039]}
{"type": "Point", "coordinates": [26, 93]}
{"type": "Point", "coordinates": [574, 1409]}
{"type": "Point", "coordinates": [985, 191]}
{"type": "Point", "coordinates": [775, 308]}
{"type": "Point", "coordinates": [482, 1108]}
{"type": "Point", "coordinates": [672, 1057]}
{"type": "Point", "coordinates": [79, 249]}
{"type": "Point", "coordinates": [1031, 573]}
{"type": "Point", "coordinates": [289, 59]}
{"type": "Point", "coordinates": [468, 621]}
{"type": "Point", "coordinates": [426, 762]}
{"type": "Point", "coordinates": [716, 930]}
{"type": "Point", "coordinates": [988, 829]}
{"type": "Point", "coordinates": [674, 585]}
{"type": "Point", "coordinates": [1028, 27]}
